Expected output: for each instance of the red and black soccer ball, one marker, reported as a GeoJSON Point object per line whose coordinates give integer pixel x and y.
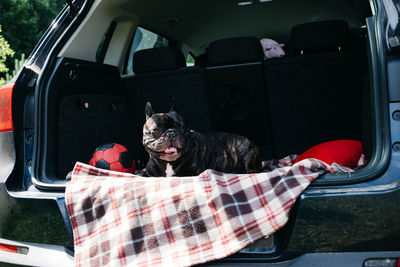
{"type": "Point", "coordinates": [114, 157]}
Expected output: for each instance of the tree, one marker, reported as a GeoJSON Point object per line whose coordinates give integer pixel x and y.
{"type": "Point", "coordinates": [25, 21]}
{"type": "Point", "coordinates": [5, 51]}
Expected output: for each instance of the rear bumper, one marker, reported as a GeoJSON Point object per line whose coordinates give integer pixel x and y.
{"type": "Point", "coordinates": [51, 255]}
{"type": "Point", "coordinates": [37, 254]}
{"type": "Point", "coordinates": [319, 259]}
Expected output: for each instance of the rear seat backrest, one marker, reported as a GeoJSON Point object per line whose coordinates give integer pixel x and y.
{"type": "Point", "coordinates": [323, 36]}
{"type": "Point", "coordinates": [315, 95]}
{"type": "Point", "coordinates": [157, 59]}
{"type": "Point", "coordinates": [236, 90]}
{"type": "Point", "coordinates": [236, 50]}
{"type": "Point", "coordinates": [160, 75]}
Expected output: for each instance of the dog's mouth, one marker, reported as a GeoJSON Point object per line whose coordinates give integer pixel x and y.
{"type": "Point", "coordinates": [171, 153]}
{"type": "Point", "coordinates": [168, 151]}
{"type": "Point", "coordinates": [171, 150]}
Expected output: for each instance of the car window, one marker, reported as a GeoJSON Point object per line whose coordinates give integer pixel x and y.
{"type": "Point", "coordinates": [189, 60]}
{"type": "Point", "coordinates": [143, 39]}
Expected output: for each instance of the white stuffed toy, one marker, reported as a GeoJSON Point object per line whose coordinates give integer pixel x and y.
{"type": "Point", "coordinates": [272, 48]}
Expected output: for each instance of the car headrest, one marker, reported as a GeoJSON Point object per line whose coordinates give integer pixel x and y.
{"type": "Point", "coordinates": [235, 51]}
{"type": "Point", "coordinates": [329, 35]}
{"type": "Point", "coordinates": [157, 59]}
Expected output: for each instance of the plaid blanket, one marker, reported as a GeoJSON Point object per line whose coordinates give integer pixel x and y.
{"type": "Point", "coordinates": [123, 219]}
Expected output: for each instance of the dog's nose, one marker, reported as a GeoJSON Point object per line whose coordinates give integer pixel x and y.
{"type": "Point", "coordinates": [171, 135]}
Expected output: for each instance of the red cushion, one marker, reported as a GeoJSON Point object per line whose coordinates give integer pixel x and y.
{"type": "Point", "coordinates": [344, 152]}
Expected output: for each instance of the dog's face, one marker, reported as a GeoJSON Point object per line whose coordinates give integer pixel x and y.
{"type": "Point", "coordinates": [164, 134]}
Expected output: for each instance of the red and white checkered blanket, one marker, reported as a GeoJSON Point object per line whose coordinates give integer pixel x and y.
{"type": "Point", "coordinates": [124, 219]}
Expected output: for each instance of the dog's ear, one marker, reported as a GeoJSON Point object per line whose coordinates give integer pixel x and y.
{"type": "Point", "coordinates": [148, 110]}
{"type": "Point", "coordinates": [173, 105]}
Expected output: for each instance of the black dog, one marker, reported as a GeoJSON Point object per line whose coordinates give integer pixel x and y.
{"type": "Point", "coordinates": [176, 150]}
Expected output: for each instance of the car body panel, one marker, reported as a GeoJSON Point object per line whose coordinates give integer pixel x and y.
{"type": "Point", "coordinates": [347, 224]}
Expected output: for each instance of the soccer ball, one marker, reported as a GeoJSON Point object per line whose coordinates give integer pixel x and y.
{"type": "Point", "coordinates": [114, 157]}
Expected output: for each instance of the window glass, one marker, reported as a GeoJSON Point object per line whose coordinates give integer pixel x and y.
{"type": "Point", "coordinates": [144, 39]}
{"type": "Point", "coordinates": [189, 60]}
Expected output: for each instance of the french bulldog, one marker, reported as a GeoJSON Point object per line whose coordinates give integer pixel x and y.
{"type": "Point", "coordinates": [175, 150]}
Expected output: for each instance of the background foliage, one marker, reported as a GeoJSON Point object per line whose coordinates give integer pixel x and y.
{"type": "Point", "coordinates": [5, 51]}
{"type": "Point", "coordinates": [23, 24]}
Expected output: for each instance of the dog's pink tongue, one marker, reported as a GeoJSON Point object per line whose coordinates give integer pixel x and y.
{"type": "Point", "coordinates": [170, 150]}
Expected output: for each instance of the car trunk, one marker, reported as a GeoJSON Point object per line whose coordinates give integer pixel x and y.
{"type": "Point", "coordinates": [86, 104]}
{"type": "Point", "coordinates": [285, 105]}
